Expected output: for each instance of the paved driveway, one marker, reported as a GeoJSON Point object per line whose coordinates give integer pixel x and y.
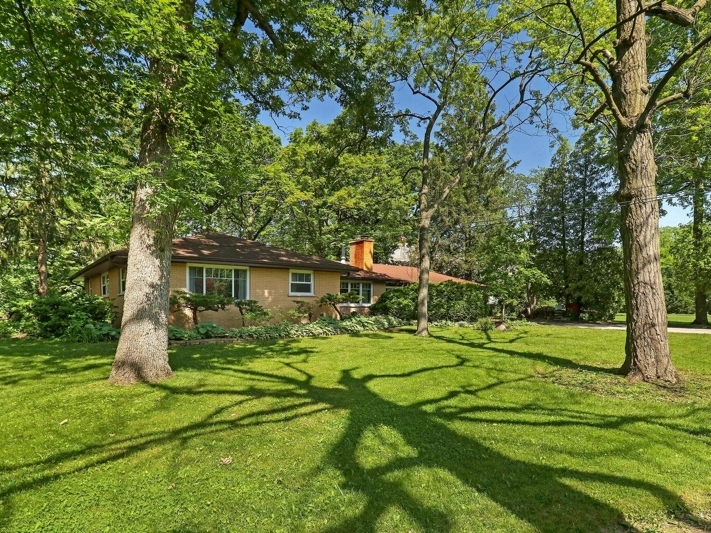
{"type": "Point", "coordinates": [703, 331]}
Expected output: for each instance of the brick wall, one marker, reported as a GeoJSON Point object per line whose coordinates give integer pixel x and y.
{"type": "Point", "coordinates": [269, 286]}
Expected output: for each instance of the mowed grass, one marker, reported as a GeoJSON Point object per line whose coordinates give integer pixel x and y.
{"type": "Point", "coordinates": [525, 430]}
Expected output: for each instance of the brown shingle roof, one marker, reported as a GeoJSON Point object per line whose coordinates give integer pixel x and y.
{"type": "Point", "coordinates": [219, 248]}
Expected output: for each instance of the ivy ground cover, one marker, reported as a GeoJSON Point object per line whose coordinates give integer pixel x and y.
{"type": "Point", "coordinates": [525, 430]}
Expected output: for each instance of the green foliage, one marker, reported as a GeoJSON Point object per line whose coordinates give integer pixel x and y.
{"type": "Point", "coordinates": [447, 301]}
{"type": "Point", "coordinates": [574, 228]}
{"type": "Point", "coordinates": [82, 328]}
{"type": "Point", "coordinates": [485, 324]}
{"type": "Point", "coordinates": [252, 311]}
{"type": "Point", "coordinates": [209, 330]}
{"type": "Point", "coordinates": [181, 334]}
{"type": "Point", "coordinates": [335, 300]}
{"type": "Point", "coordinates": [303, 309]}
{"type": "Point", "coordinates": [322, 327]}
{"type": "Point", "coordinates": [67, 310]}
{"type": "Point", "coordinates": [197, 303]}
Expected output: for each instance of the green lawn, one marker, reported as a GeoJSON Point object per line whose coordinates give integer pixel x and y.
{"type": "Point", "coordinates": [526, 430]}
{"type": "Point", "coordinates": [676, 320]}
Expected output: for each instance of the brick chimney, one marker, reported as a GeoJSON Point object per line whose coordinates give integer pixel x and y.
{"type": "Point", "coordinates": [362, 253]}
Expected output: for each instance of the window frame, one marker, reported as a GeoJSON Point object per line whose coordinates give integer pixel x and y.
{"type": "Point", "coordinates": [313, 282]}
{"type": "Point", "coordinates": [105, 286]}
{"type": "Point", "coordinates": [360, 292]}
{"type": "Point", "coordinates": [122, 281]}
{"type": "Point", "coordinates": [226, 267]}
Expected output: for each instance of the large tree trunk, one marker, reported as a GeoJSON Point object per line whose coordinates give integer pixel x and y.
{"type": "Point", "coordinates": [647, 346]}
{"type": "Point", "coordinates": [698, 236]}
{"type": "Point", "coordinates": [142, 352]}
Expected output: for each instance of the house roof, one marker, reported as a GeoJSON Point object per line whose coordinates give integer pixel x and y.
{"type": "Point", "coordinates": [219, 248]}
{"type": "Point", "coordinates": [366, 275]}
{"type": "Point", "coordinates": [411, 274]}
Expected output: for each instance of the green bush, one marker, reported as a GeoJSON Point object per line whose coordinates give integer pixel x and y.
{"type": "Point", "coordinates": [82, 328]}
{"type": "Point", "coordinates": [485, 324]}
{"type": "Point", "coordinates": [323, 327]}
{"type": "Point", "coordinates": [208, 330]}
{"type": "Point", "coordinates": [53, 315]}
{"type": "Point", "coordinates": [448, 301]}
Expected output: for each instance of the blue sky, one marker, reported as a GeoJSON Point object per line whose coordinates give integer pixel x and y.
{"type": "Point", "coordinates": [531, 146]}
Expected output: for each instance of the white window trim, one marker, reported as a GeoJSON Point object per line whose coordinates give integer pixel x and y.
{"type": "Point", "coordinates": [359, 304]}
{"type": "Point", "coordinates": [213, 265]}
{"type": "Point", "coordinates": [121, 271]}
{"type": "Point", "coordinates": [105, 276]}
{"type": "Point", "coordinates": [313, 283]}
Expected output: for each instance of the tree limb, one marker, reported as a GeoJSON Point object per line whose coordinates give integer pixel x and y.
{"type": "Point", "coordinates": [654, 102]}
{"type": "Point", "coordinates": [676, 15]}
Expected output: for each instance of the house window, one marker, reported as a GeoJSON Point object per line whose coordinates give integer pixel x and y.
{"type": "Point", "coordinates": [105, 284]}
{"type": "Point", "coordinates": [364, 290]}
{"type": "Point", "coordinates": [301, 283]}
{"type": "Point", "coordinates": [122, 280]}
{"type": "Point", "coordinates": [226, 281]}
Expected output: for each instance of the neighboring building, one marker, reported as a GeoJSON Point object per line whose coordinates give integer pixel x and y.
{"type": "Point", "coordinates": [381, 276]}
{"type": "Point", "coordinates": [244, 269]}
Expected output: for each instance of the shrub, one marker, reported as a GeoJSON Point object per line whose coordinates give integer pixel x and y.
{"type": "Point", "coordinates": [252, 311]}
{"type": "Point", "coordinates": [52, 315]}
{"type": "Point", "coordinates": [82, 328]}
{"type": "Point", "coordinates": [197, 303]}
{"type": "Point", "coordinates": [323, 327]}
{"type": "Point", "coordinates": [209, 330]}
{"type": "Point", "coordinates": [335, 300]}
{"type": "Point", "coordinates": [455, 302]}
{"type": "Point", "coordinates": [484, 324]}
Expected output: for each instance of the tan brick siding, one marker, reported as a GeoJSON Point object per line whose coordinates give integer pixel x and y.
{"type": "Point", "coordinates": [269, 286]}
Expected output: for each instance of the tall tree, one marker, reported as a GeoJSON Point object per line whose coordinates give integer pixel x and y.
{"type": "Point", "coordinates": [344, 184]}
{"type": "Point", "coordinates": [574, 221]}
{"type": "Point", "coordinates": [684, 134]}
{"type": "Point", "coordinates": [56, 110]}
{"type": "Point", "coordinates": [458, 61]}
{"type": "Point", "coordinates": [605, 74]}
{"type": "Point", "coordinates": [199, 53]}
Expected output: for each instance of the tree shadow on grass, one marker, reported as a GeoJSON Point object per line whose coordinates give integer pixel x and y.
{"type": "Point", "coordinates": [25, 360]}
{"type": "Point", "coordinates": [538, 494]}
{"type": "Point", "coordinates": [496, 346]}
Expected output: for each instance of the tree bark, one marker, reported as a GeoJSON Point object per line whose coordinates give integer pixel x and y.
{"type": "Point", "coordinates": [142, 352]}
{"type": "Point", "coordinates": [647, 346]}
{"type": "Point", "coordinates": [701, 317]}
{"type": "Point", "coordinates": [424, 275]}
{"type": "Point", "coordinates": [43, 216]}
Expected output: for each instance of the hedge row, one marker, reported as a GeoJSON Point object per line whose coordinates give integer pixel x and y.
{"type": "Point", "coordinates": [285, 330]}
{"type": "Point", "coordinates": [448, 301]}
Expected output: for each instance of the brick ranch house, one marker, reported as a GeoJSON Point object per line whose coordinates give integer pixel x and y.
{"type": "Point", "coordinates": [272, 276]}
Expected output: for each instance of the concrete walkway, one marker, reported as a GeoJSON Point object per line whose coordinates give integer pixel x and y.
{"type": "Point", "coordinates": [703, 331]}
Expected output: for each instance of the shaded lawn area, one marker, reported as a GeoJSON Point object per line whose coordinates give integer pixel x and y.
{"type": "Point", "coordinates": [526, 430]}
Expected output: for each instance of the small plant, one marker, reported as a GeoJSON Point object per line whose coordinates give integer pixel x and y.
{"type": "Point", "coordinates": [180, 334]}
{"type": "Point", "coordinates": [83, 328]}
{"type": "Point", "coordinates": [485, 324]}
{"type": "Point", "coordinates": [304, 309]}
{"type": "Point", "coordinates": [334, 300]}
{"type": "Point", "coordinates": [197, 303]}
{"type": "Point", "coordinates": [251, 310]}
{"type": "Point", "coordinates": [208, 330]}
